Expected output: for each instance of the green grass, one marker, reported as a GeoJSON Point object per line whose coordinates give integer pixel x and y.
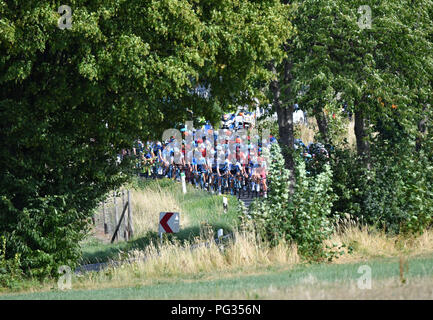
{"type": "Point", "coordinates": [275, 282]}
{"type": "Point", "coordinates": [199, 206]}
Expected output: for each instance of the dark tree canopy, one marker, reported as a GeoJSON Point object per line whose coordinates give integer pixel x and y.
{"type": "Point", "coordinates": [71, 99]}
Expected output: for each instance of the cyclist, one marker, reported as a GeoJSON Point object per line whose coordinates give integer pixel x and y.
{"type": "Point", "coordinates": [262, 173]}
{"type": "Point", "coordinates": [223, 171]}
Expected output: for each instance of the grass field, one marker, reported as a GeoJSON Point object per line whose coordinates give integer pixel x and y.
{"type": "Point", "coordinates": [322, 281]}
{"type": "Point", "coordinates": [243, 269]}
{"type": "Point", "coordinates": [149, 198]}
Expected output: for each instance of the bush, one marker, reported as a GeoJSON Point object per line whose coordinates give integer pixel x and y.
{"type": "Point", "coordinates": [303, 218]}
{"type": "Point", "coordinates": [395, 194]}
{"type": "Point", "coordinates": [44, 226]}
{"type": "Point", "coordinates": [10, 272]}
{"type": "Point", "coordinates": [399, 195]}
{"type": "Point", "coordinates": [349, 183]}
{"type": "Point", "coordinates": [45, 235]}
{"type": "Point", "coordinates": [312, 203]}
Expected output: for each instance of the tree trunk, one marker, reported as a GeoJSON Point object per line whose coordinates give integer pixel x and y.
{"type": "Point", "coordinates": [322, 123]}
{"type": "Point", "coordinates": [285, 119]}
{"type": "Point", "coordinates": [362, 144]}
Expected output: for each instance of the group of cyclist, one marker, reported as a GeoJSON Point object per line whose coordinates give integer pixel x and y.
{"type": "Point", "coordinates": [218, 164]}
{"type": "Point", "coordinates": [222, 161]}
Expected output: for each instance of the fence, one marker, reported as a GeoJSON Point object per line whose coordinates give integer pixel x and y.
{"type": "Point", "coordinates": [114, 216]}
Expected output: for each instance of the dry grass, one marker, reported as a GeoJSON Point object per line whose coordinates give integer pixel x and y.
{"type": "Point", "coordinates": [171, 261]}
{"type": "Point", "coordinates": [146, 203]}
{"type": "Point", "coordinates": [174, 260]}
{"type": "Point", "coordinates": [351, 138]}
{"type": "Point", "coordinates": [369, 243]}
{"type": "Point", "coordinates": [306, 132]}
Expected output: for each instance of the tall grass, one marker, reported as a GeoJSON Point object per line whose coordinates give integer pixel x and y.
{"type": "Point", "coordinates": [146, 206]}
{"type": "Point", "coordinates": [368, 242]}
{"type": "Point", "coordinates": [148, 199]}
{"type": "Point", "coordinates": [195, 207]}
{"type": "Point", "coordinates": [171, 260]}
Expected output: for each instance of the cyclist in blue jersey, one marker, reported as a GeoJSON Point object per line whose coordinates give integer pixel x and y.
{"type": "Point", "coordinates": [223, 169]}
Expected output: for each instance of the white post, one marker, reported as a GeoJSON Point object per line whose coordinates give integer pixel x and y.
{"type": "Point", "coordinates": [182, 176]}
{"type": "Point", "coordinates": [103, 218]}
{"type": "Point", "coordinates": [225, 204]}
{"type": "Point", "coordinates": [220, 233]}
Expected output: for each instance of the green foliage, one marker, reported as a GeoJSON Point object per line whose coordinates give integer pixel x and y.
{"type": "Point", "coordinates": [70, 100]}
{"type": "Point", "coordinates": [10, 272]}
{"type": "Point", "coordinates": [395, 193]}
{"type": "Point", "coordinates": [399, 195]}
{"type": "Point", "coordinates": [334, 61]}
{"type": "Point", "coordinates": [349, 182]}
{"type": "Point", "coordinates": [331, 54]}
{"type": "Point", "coordinates": [302, 218]}
{"type": "Point", "coordinates": [312, 203]}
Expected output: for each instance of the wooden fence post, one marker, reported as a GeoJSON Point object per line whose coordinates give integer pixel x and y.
{"type": "Point", "coordinates": [116, 217]}
{"type": "Point", "coordinates": [116, 231]}
{"type": "Point", "coordinates": [123, 226]}
{"type": "Point", "coordinates": [103, 218]}
{"type": "Point", "coordinates": [130, 227]}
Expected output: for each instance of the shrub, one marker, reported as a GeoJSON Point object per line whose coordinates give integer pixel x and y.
{"type": "Point", "coordinates": [301, 218]}
{"type": "Point", "coordinates": [312, 203]}
{"type": "Point", "coordinates": [349, 183]}
{"type": "Point", "coordinates": [46, 235]}
{"type": "Point", "coordinates": [395, 194]}
{"type": "Point", "coordinates": [399, 195]}
{"type": "Point", "coordinates": [10, 272]}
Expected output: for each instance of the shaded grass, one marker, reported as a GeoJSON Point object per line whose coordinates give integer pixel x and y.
{"type": "Point", "coordinates": [150, 197]}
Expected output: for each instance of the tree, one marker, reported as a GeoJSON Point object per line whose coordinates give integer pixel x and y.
{"type": "Point", "coordinates": [280, 92]}
{"type": "Point", "coordinates": [70, 99]}
{"type": "Point", "coordinates": [374, 70]}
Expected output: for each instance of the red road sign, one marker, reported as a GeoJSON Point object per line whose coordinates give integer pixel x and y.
{"type": "Point", "coordinates": [168, 222]}
{"type": "Point", "coordinates": [164, 221]}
